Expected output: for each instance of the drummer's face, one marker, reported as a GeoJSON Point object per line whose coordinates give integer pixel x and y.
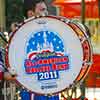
{"type": "Point", "coordinates": [41, 9]}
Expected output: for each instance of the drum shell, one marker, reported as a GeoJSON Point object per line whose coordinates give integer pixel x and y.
{"type": "Point", "coordinates": [83, 38]}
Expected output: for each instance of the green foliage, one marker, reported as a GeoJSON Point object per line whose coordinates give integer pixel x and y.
{"type": "Point", "coordinates": [14, 11]}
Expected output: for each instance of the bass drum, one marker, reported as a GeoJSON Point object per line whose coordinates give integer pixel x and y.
{"type": "Point", "coordinates": [49, 54]}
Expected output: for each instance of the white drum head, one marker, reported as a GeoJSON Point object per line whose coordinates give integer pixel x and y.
{"type": "Point", "coordinates": [47, 55]}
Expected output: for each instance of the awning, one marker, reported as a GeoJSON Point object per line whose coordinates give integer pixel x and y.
{"type": "Point", "coordinates": [93, 77]}
{"type": "Point", "coordinates": [72, 8]}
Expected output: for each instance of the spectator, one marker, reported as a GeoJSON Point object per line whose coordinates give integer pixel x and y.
{"type": "Point", "coordinates": [4, 74]}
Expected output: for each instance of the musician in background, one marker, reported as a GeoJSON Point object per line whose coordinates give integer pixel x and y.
{"type": "Point", "coordinates": [4, 72]}
{"type": "Point", "coordinates": [4, 75]}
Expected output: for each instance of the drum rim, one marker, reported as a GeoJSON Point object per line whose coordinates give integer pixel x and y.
{"type": "Point", "coordinates": [58, 18]}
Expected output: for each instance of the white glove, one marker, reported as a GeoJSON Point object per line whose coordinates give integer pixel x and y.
{"type": "Point", "coordinates": [12, 71]}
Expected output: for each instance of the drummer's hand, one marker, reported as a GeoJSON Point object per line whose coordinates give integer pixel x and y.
{"type": "Point", "coordinates": [11, 75]}
{"type": "Point", "coordinates": [12, 71]}
{"type": "Point", "coordinates": [8, 76]}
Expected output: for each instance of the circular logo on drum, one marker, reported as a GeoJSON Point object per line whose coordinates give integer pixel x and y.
{"type": "Point", "coordinates": [46, 58]}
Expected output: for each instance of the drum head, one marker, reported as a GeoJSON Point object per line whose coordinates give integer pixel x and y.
{"type": "Point", "coordinates": [47, 55]}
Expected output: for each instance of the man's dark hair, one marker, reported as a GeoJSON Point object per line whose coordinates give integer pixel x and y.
{"type": "Point", "coordinates": [31, 4]}
{"type": "Point", "coordinates": [36, 2]}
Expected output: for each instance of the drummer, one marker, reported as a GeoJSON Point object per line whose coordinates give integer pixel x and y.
{"type": "Point", "coordinates": [36, 8]}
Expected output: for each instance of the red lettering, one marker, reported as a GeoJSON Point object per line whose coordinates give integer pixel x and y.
{"type": "Point", "coordinates": [45, 61]}
{"type": "Point", "coordinates": [54, 67]}
{"type": "Point", "coordinates": [63, 67]}
{"type": "Point", "coordinates": [44, 69]}
{"type": "Point", "coordinates": [65, 59]}
{"type": "Point", "coordinates": [40, 62]}
{"type": "Point", "coordinates": [28, 63]}
{"type": "Point", "coordinates": [31, 70]}
{"type": "Point", "coordinates": [47, 68]}
{"type": "Point", "coordinates": [27, 70]}
{"type": "Point", "coordinates": [34, 70]}
{"type": "Point", "coordinates": [52, 60]}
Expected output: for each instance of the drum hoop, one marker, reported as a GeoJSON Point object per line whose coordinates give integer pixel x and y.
{"type": "Point", "coordinates": [90, 51]}
{"type": "Point", "coordinates": [30, 19]}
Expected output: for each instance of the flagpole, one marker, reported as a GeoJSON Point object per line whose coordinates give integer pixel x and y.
{"type": "Point", "coordinates": [83, 12]}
